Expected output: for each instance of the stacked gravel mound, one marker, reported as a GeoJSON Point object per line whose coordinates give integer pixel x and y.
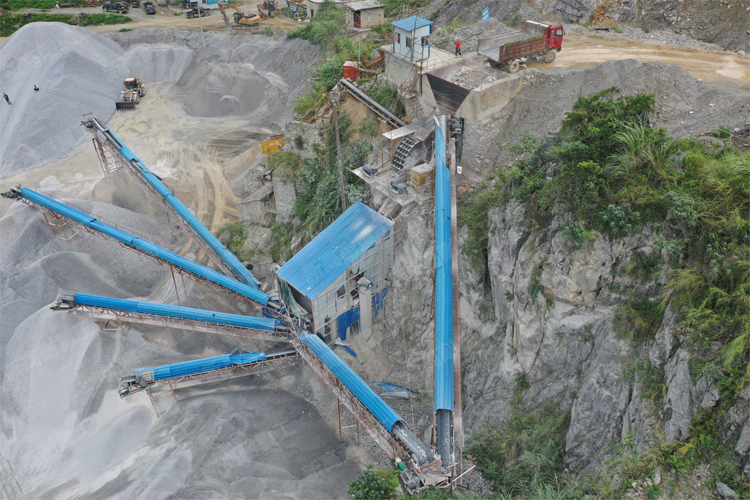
{"type": "Point", "coordinates": [77, 71]}
{"type": "Point", "coordinates": [158, 62]}
{"type": "Point", "coordinates": [232, 75]}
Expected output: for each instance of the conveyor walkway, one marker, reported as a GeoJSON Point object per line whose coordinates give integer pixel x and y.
{"type": "Point", "coordinates": [368, 101]}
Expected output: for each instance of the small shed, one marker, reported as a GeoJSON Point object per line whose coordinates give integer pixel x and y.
{"type": "Point", "coordinates": [339, 278]}
{"type": "Point", "coordinates": [364, 14]}
{"type": "Point", "coordinates": [411, 38]}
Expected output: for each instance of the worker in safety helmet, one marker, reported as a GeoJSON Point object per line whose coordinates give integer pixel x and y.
{"type": "Point", "coordinates": [458, 47]}
{"type": "Point", "coordinates": [7, 99]}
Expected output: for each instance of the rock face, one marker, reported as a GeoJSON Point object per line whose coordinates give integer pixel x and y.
{"type": "Point", "coordinates": [553, 322]}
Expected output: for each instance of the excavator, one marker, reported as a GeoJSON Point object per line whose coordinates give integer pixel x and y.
{"type": "Point", "coordinates": [240, 19]}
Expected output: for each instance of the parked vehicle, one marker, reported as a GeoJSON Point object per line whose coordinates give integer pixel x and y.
{"type": "Point", "coordinates": [133, 4]}
{"type": "Point", "coordinates": [533, 39]}
{"type": "Point", "coordinates": [149, 8]}
{"type": "Point", "coordinates": [199, 12]}
{"type": "Point", "coordinates": [115, 7]}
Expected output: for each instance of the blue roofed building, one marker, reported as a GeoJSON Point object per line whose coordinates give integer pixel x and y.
{"type": "Point", "coordinates": [339, 278]}
{"type": "Point", "coordinates": [411, 38]}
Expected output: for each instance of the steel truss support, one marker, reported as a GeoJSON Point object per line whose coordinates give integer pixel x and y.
{"type": "Point", "coordinates": [104, 314]}
{"type": "Point", "coordinates": [107, 161]}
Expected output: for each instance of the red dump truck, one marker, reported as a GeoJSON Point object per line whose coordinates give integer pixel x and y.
{"type": "Point", "coordinates": [533, 39]}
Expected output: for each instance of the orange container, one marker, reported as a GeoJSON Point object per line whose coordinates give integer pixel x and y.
{"type": "Point", "coordinates": [351, 71]}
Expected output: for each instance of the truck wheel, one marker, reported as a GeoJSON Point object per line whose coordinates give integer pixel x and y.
{"type": "Point", "coordinates": [550, 56]}
{"type": "Point", "coordinates": [513, 66]}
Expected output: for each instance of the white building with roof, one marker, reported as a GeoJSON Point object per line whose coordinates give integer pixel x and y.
{"type": "Point", "coordinates": [411, 38]}
{"type": "Point", "coordinates": [339, 279]}
{"type": "Point", "coordinates": [364, 14]}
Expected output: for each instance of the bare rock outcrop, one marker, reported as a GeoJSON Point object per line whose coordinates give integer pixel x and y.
{"type": "Point", "coordinates": [552, 316]}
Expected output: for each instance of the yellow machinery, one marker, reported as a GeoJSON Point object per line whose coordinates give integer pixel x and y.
{"type": "Point", "coordinates": [240, 19]}
{"type": "Point", "coordinates": [135, 84]}
{"type": "Point", "coordinates": [273, 144]}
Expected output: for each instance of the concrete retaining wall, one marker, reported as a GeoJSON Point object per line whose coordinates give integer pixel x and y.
{"type": "Point", "coordinates": [488, 99]}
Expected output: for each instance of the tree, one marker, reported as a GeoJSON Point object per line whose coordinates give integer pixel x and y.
{"type": "Point", "coordinates": [375, 484]}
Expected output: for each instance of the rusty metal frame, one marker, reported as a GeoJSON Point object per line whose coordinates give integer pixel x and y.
{"type": "Point", "coordinates": [106, 314]}
{"type": "Point", "coordinates": [108, 162]}
{"type": "Point", "coordinates": [215, 258]}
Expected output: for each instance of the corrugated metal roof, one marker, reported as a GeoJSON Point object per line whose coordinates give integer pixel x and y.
{"type": "Point", "coordinates": [365, 5]}
{"type": "Point", "coordinates": [409, 25]}
{"type": "Point", "coordinates": [384, 413]}
{"type": "Point", "coordinates": [330, 253]}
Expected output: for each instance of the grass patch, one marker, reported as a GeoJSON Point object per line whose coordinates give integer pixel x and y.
{"type": "Point", "coordinates": [526, 454]}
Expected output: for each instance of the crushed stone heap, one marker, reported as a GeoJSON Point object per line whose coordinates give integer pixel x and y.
{"type": "Point", "coordinates": [77, 71]}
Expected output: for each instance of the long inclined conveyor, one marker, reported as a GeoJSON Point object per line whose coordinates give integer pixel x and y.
{"type": "Point", "coordinates": [180, 264]}
{"type": "Point", "coordinates": [186, 318]}
{"type": "Point", "coordinates": [219, 254]}
{"type": "Point", "coordinates": [368, 101]}
{"type": "Point", "coordinates": [444, 372]}
{"type": "Point", "coordinates": [207, 370]}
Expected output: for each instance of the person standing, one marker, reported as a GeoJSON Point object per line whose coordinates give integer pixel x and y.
{"type": "Point", "coordinates": [7, 99]}
{"type": "Point", "coordinates": [57, 5]}
{"type": "Point", "coordinates": [36, 89]}
{"type": "Point", "coordinates": [458, 47]}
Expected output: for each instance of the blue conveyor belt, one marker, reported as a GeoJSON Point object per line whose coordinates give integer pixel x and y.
{"type": "Point", "coordinates": [148, 247]}
{"type": "Point", "coordinates": [199, 365]}
{"type": "Point", "coordinates": [222, 251]}
{"type": "Point", "coordinates": [384, 413]}
{"type": "Point", "coordinates": [178, 312]}
{"type": "Point", "coordinates": [443, 279]}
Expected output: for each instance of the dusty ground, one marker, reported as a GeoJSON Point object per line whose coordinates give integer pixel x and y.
{"type": "Point", "coordinates": [710, 66]}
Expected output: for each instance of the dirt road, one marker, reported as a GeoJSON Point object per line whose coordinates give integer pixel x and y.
{"type": "Point", "coordinates": [590, 50]}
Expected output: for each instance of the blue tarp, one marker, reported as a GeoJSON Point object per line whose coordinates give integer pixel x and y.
{"type": "Point", "coordinates": [384, 413]}
{"type": "Point", "coordinates": [443, 279]}
{"type": "Point", "coordinates": [346, 320]}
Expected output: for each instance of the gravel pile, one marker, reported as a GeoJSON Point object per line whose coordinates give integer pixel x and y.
{"type": "Point", "coordinates": [76, 70]}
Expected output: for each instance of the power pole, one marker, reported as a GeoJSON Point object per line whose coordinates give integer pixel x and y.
{"type": "Point", "coordinates": [338, 152]}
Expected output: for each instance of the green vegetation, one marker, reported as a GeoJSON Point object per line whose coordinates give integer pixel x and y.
{"type": "Point", "coordinates": [328, 30]}
{"type": "Point", "coordinates": [617, 29]}
{"type": "Point", "coordinates": [10, 23]}
{"type": "Point", "coordinates": [525, 456]}
{"type": "Point", "coordinates": [375, 484]}
{"type": "Point", "coordinates": [27, 4]}
{"type": "Point", "coordinates": [609, 173]}
{"type": "Point", "coordinates": [233, 235]}
{"type": "Point", "coordinates": [317, 184]}
{"type": "Point", "coordinates": [267, 31]}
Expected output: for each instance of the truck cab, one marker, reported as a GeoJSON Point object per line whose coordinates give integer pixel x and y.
{"type": "Point", "coordinates": [555, 36]}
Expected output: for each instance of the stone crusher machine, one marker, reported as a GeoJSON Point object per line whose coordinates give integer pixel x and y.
{"type": "Point", "coordinates": [134, 90]}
